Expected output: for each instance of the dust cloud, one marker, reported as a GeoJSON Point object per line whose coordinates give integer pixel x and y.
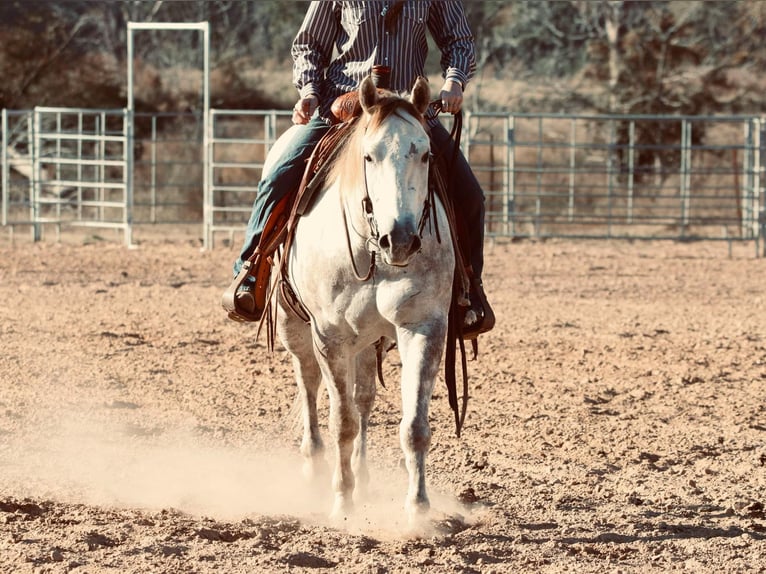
{"type": "Point", "coordinates": [82, 458]}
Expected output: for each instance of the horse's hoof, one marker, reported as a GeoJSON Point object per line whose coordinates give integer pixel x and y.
{"type": "Point", "coordinates": [341, 511]}
{"type": "Point", "coordinates": [419, 525]}
{"type": "Point", "coordinates": [418, 515]}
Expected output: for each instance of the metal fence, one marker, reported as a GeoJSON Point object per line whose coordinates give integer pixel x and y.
{"type": "Point", "coordinates": [168, 168]}
{"type": "Point", "coordinates": [551, 175]}
{"type": "Point", "coordinates": [544, 175]}
{"type": "Point", "coordinates": [237, 148]}
{"type": "Point", "coordinates": [72, 166]}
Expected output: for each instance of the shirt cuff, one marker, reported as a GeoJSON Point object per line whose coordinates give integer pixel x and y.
{"type": "Point", "coordinates": [457, 76]}
{"type": "Point", "coordinates": [308, 90]}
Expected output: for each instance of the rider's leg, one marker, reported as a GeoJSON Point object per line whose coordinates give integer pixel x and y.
{"type": "Point", "coordinates": [284, 177]}
{"type": "Point", "coordinates": [469, 200]}
{"type": "Point", "coordinates": [466, 193]}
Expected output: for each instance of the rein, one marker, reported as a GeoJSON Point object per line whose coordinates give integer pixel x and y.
{"type": "Point", "coordinates": [372, 241]}
{"type": "Point", "coordinates": [460, 289]}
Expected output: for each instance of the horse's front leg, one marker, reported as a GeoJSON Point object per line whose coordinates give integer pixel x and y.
{"type": "Point", "coordinates": [364, 397]}
{"type": "Point", "coordinates": [421, 352]}
{"type": "Point", "coordinates": [308, 377]}
{"type": "Point", "coordinates": [296, 337]}
{"type": "Point", "coordinates": [339, 373]}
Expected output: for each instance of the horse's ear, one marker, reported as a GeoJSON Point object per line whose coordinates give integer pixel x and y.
{"type": "Point", "coordinates": [421, 95]}
{"type": "Point", "coordinates": [368, 94]}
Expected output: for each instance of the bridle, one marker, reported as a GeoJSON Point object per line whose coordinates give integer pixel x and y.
{"type": "Point", "coordinates": [427, 215]}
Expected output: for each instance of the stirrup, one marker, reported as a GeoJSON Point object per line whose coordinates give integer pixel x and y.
{"type": "Point", "coordinates": [230, 300]}
{"type": "Point", "coordinates": [479, 305]}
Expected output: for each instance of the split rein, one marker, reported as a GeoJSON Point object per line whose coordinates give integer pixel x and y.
{"type": "Point", "coordinates": [429, 205]}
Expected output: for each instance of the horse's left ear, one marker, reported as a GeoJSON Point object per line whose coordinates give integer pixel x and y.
{"type": "Point", "coordinates": [421, 95]}
{"type": "Point", "coordinates": [368, 94]}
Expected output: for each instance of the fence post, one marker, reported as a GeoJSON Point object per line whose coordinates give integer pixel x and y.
{"type": "Point", "coordinates": [610, 163]}
{"type": "Point", "coordinates": [128, 128]}
{"type": "Point", "coordinates": [749, 194]}
{"type": "Point", "coordinates": [572, 164]}
{"type": "Point", "coordinates": [539, 176]}
{"type": "Point", "coordinates": [759, 191]}
{"type": "Point", "coordinates": [684, 175]}
{"type": "Point", "coordinates": [208, 236]}
{"type": "Point", "coordinates": [631, 167]}
{"type": "Point", "coordinates": [509, 205]}
{"type": "Point", "coordinates": [80, 127]}
{"type": "Point", "coordinates": [35, 204]}
{"type": "Point", "coordinates": [4, 175]}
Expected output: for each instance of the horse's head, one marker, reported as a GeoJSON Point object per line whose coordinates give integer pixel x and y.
{"type": "Point", "coordinates": [395, 149]}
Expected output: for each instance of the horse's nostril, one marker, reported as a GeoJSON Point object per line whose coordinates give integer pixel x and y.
{"type": "Point", "coordinates": [415, 247]}
{"type": "Point", "coordinates": [385, 242]}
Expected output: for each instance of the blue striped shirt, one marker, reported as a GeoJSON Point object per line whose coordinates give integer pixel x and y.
{"type": "Point", "coordinates": [339, 43]}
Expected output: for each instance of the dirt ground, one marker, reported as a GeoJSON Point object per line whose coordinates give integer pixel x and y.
{"type": "Point", "coordinates": [616, 422]}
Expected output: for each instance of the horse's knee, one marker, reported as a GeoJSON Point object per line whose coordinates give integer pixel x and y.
{"type": "Point", "coordinates": [346, 429]}
{"type": "Point", "coordinates": [415, 435]}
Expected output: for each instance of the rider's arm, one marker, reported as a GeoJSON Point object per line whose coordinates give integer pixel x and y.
{"type": "Point", "coordinates": [312, 47]}
{"type": "Point", "coordinates": [452, 34]}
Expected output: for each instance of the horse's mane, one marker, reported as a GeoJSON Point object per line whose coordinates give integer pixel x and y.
{"type": "Point", "coordinates": [347, 167]}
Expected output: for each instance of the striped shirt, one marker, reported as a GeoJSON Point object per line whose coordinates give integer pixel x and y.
{"type": "Point", "coordinates": [339, 43]}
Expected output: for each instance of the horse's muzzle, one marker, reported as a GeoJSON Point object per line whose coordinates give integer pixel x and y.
{"type": "Point", "coordinates": [399, 246]}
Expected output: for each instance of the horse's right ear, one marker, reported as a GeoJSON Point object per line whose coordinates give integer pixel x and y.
{"type": "Point", "coordinates": [421, 94]}
{"type": "Point", "coordinates": [368, 94]}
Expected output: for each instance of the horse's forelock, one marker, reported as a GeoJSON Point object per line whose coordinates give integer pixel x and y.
{"type": "Point", "coordinates": [388, 105]}
{"type": "Point", "coordinates": [347, 168]}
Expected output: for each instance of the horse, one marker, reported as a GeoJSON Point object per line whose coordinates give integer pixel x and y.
{"type": "Point", "coordinates": [374, 208]}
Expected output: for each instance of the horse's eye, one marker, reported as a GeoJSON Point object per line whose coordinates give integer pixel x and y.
{"type": "Point", "coordinates": [426, 157]}
{"type": "Point", "coordinates": [367, 157]}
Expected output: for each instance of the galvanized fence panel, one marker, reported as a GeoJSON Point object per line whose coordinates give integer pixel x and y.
{"type": "Point", "coordinates": [237, 147]}
{"type": "Point", "coordinates": [17, 168]}
{"type": "Point", "coordinates": [86, 158]}
{"type": "Point", "coordinates": [66, 166]}
{"type": "Point", "coordinates": [544, 175]}
{"type": "Point", "coordinates": [553, 175]}
{"type": "Point", "coordinates": [168, 168]}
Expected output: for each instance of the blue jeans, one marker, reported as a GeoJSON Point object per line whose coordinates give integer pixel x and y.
{"type": "Point", "coordinates": [288, 172]}
{"type": "Point", "coordinates": [285, 177]}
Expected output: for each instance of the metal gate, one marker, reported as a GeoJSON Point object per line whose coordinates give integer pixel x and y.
{"type": "Point", "coordinates": [82, 164]}
{"type": "Point", "coordinates": [66, 166]}
{"type": "Point", "coordinates": [237, 146]}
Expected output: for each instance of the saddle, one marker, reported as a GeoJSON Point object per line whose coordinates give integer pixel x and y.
{"type": "Point", "coordinates": [255, 272]}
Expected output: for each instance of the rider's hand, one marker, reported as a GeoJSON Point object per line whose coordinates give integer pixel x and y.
{"type": "Point", "coordinates": [451, 96]}
{"type": "Point", "coordinates": [304, 109]}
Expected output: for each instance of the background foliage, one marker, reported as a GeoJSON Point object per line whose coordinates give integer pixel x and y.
{"type": "Point", "coordinates": [622, 56]}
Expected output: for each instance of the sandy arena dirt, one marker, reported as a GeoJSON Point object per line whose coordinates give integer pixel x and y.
{"type": "Point", "coordinates": [616, 424]}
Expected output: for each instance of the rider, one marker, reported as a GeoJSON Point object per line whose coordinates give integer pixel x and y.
{"type": "Point", "coordinates": [335, 49]}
